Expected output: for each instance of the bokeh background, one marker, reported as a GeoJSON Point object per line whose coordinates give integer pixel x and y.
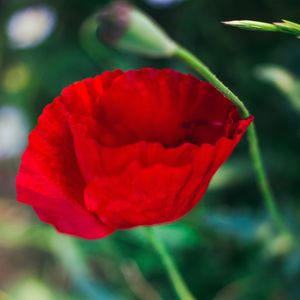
{"type": "Point", "coordinates": [226, 248]}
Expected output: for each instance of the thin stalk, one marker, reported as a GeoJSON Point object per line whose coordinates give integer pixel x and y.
{"type": "Point", "coordinates": [178, 282]}
{"type": "Point", "coordinates": [254, 148]}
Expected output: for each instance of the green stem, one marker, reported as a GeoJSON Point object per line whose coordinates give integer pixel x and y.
{"type": "Point", "coordinates": [254, 149]}
{"type": "Point", "coordinates": [206, 73]}
{"type": "Point", "coordinates": [173, 273]}
{"type": "Point", "coordinates": [262, 179]}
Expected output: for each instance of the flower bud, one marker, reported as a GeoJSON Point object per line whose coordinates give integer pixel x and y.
{"type": "Point", "coordinates": [125, 27]}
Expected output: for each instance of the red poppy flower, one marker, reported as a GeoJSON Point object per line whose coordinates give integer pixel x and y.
{"type": "Point", "coordinates": [126, 149]}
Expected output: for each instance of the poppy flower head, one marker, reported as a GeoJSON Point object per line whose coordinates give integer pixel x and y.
{"type": "Point", "coordinates": [126, 149]}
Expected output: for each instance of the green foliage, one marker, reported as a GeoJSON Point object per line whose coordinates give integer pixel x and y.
{"type": "Point", "coordinates": [283, 80]}
{"type": "Point", "coordinates": [284, 26]}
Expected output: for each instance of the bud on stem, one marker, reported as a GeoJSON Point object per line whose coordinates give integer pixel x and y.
{"type": "Point", "coordinates": [125, 27]}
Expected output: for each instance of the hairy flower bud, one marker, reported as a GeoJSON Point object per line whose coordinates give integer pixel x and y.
{"type": "Point", "coordinates": [125, 27]}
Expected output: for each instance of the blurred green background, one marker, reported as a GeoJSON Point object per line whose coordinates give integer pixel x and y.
{"type": "Point", "coordinates": [226, 247]}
